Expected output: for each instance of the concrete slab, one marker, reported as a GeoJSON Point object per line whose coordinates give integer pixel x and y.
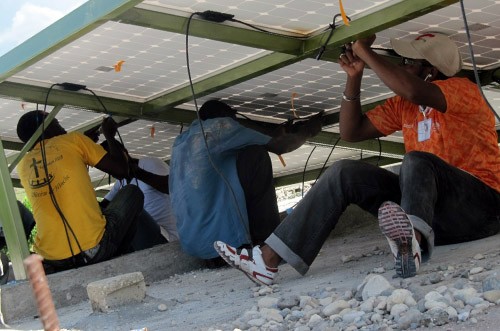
{"type": "Point", "coordinates": [110, 293]}
{"type": "Point", "coordinates": [69, 287]}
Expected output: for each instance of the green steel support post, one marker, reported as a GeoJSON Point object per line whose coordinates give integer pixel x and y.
{"type": "Point", "coordinates": [11, 220]}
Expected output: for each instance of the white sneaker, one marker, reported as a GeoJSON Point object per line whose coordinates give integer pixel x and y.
{"type": "Point", "coordinates": [250, 262]}
{"type": "Point", "coordinates": [397, 228]}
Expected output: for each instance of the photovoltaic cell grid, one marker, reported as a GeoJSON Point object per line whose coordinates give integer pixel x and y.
{"type": "Point", "coordinates": [301, 17]}
{"type": "Point", "coordinates": [154, 61]}
{"type": "Point", "coordinates": [155, 64]}
{"type": "Point", "coordinates": [314, 85]}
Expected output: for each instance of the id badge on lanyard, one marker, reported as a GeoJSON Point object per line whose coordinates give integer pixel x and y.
{"type": "Point", "coordinates": [424, 126]}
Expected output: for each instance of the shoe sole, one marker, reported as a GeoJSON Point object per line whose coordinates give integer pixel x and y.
{"type": "Point", "coordinates": [237, 267]}
{"type": "Point", "coordinates": [396, 226]}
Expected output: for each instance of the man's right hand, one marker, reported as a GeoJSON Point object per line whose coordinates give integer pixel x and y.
{"type": "Point", "coordinates": [351, 63]}
{"type": "Point", "coordinates": [109, 127]}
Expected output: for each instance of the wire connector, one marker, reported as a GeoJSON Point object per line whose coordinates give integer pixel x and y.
{"type": "Point", "coordinates": [215, 16]}
{"type": "Point", "coordinates": [72, 86]}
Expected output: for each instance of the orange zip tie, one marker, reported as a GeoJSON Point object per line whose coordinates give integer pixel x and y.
{"type": "Point", "coordinates": [118, 66]}
{"type": "Point", "coordinates": [342, 13]}
{"type": "Point", "coordinates": [152, 131]}
{"type": "Point", "coordinates": [41, 291]}
{"type": "Point", "coordinates": [282, 160]}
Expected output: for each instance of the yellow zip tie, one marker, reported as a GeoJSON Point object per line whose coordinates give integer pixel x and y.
{"type": "Point", "coordinates": [342, 13]}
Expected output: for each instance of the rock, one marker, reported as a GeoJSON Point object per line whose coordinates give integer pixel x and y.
{"type": "Point", "coordinates": [492, 296]}
{"type": "Point", "coordinates": [491, 283]}
{"type": "Point", "coordinates": [375, 285]}
{"type": "Point", "coordinates": [476, 270]}
{"type": "Point", "coordinates": [288, 302]}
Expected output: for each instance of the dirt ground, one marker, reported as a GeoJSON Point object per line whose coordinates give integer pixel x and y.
{"type": "Point", "coordinates": [210, 299]}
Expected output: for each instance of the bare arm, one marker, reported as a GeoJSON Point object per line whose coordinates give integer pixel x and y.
{"type": "Point", "coordinates": [291, 136]}
{"type": "Point", "coordinates": [158, 182]}
{"type": "Point", "coordinates": [115, 161]}
{"type": "Point", "coordinates": [354, 126]}
{"type": "Point", "coordinates": [405, 84]}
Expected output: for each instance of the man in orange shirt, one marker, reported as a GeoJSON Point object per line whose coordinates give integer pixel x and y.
{"type": "Point", "coordinates": [448, 187]}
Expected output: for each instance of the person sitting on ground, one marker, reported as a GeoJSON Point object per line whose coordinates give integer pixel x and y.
{"type": "Point", "coordinates": [71, 229]}
{"type": "Point", "coordinates": [448, 187]}
{"type": "Point", "coordinates": [156, 200]}
{"type": "Point", "coordinates": [221, 179]}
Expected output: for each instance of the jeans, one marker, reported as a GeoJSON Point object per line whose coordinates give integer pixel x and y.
{"type": "Point", "coordinates": [447, 205]}
{"type": "Point", "coordinates": [255, 172]}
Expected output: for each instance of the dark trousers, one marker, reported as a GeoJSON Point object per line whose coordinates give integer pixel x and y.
{"type": "Point", "coordinates": [255, 173]}
{"type": "Point", "coordinates": [122, 219]}
{"type": "Point", "coordinates": [454, 204]}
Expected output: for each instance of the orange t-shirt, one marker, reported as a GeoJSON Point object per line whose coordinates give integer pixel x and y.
{"type": "Point", "coordinates": [464, 136]}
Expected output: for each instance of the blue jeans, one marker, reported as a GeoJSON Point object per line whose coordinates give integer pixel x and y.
{"type": "Point", "coordinates": [445, 204]}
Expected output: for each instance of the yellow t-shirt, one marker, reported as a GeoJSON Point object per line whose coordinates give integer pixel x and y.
{"type": "Point", "coordinates": [67, 157]}
{"type": "Point", "coordinates": [464, 136]}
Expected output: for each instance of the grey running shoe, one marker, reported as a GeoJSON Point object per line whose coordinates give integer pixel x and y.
{"type": "Point", "coordinates": [397, 228]}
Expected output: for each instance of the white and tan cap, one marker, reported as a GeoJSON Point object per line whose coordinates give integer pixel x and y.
{"type": "Point", "coordinates": [438, 49]}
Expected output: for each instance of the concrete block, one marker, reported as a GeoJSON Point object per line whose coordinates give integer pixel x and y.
{"type": "Point", "coordinates": [109, 293]}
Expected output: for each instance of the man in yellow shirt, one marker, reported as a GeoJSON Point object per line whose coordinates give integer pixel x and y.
{"type": "Point", "coordinates": [72, 231]}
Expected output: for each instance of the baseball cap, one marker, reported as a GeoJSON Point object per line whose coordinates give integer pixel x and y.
{"type": "Point", "coordinates": [438, 49]}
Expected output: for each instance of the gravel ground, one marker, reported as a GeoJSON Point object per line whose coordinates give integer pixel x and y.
{"type": "Point", "coordinates": [351, 286]}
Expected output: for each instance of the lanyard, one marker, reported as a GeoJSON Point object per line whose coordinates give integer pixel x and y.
{"type": "Point", "coordinates": [425, 111]}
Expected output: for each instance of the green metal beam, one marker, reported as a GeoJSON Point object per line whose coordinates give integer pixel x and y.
{"type": "Point", "coordinates": [12, 145]}
{"type": "Point", "coordinates": [397, 13]}
{"type": "Point", "coordinates": [299, 177]}
{"type": "Point", "coordinates": [38, 94]}
{"type": "Point", "coordinates": [329, 138]}
{"type": "Point", "coordinates": [11, 221]}
{"type": "Point", "coordinates": [85, 18]}
{"type": "Point", "coordinates": [232, 34]}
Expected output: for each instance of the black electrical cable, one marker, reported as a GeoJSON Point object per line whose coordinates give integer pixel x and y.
{"type": "Point", "coordinates": [133, 175]}
{"type": "Point", "coordinates": [379, 152]}
{"type": "Point", "coordinates": [226, 182]}
{"type": "Point", "coordinates": [473, 60]}
{"type": "Point", "coordinates": [326, 161]}
{"type": "Point", "coordinates": [67, 226]}
{"type": "Point", "coordinates": [332, 27]}
{"type": "Point", "coordinates": [304, 171]}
